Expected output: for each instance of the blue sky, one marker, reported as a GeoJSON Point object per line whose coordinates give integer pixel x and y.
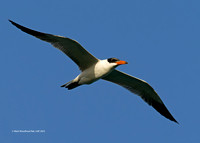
{"type": "Point", "coordinates": [160, 41]}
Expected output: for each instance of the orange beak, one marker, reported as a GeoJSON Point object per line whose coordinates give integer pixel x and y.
{"type": "Point", "coordinates": [121, 62]}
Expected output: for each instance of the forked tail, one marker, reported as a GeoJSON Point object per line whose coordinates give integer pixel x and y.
{"type": "Point", "coordinates": [70, 85]}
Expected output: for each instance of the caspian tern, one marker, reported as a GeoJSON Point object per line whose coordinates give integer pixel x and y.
{"type": "Point", "coordinates": [93, 69]}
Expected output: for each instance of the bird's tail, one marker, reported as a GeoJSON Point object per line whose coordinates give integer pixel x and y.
{"type": "Point", "coordinates": [70, 85]}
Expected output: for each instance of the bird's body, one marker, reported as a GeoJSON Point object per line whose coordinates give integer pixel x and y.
{"type": "Point", "coordinates": [95, 72]}
{"type": "Point", "coordinates": [93, 69]}
{"type": "Point", "coordinates": [92, 74]}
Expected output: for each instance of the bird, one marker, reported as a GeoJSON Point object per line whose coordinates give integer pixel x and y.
{"type": "Point", "coordinates": [93, 69]}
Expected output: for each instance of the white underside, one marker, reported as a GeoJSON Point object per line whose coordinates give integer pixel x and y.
{"type": "Point", "coordinates": [95, 72]}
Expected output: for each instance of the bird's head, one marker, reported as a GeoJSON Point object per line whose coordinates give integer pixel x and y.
{"type": "Point", "coordinates": [116, 61]}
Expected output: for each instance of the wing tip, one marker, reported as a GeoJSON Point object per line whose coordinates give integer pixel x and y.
{"type": "Point", "coordinates": [10, 20]}
{"type": "Point", "coordinates": [15, 24]}
{"type": "Point", "coordinates": [162, 109]}
{"type": "Point", "coordinates": [174, 120]}
{"type": "Point", "coordinates": [27, 30]}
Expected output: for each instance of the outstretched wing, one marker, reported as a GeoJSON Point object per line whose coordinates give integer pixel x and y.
{"type": "Point", "coordinates": [140, 87]}
{"type": "Point", "coordinates": [70, 47]}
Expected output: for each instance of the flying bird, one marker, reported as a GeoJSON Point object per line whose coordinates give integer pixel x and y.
{"type": "Point", "coordinates": [93, 69]}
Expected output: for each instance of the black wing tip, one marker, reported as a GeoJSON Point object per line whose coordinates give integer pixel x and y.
{"type": "Point", "coordinates": [11, 21]}
{"type": "Point", "coordinates": [174, 120]}
{"type": "Point", "coordinates": [162, 109]}
{"type": "Point", "coordinates": [15, 24]}
{"type": "Point", "coordinates": [27, 30]}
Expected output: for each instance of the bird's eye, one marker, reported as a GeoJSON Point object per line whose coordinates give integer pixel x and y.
{"type": "Point", "coordinates": [113, 60]}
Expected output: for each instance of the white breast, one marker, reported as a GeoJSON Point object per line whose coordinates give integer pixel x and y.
{"type": "Point", "coordinates": [95, 72]}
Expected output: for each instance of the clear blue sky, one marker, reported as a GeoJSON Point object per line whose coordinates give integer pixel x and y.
{"type": "Point", "coordinates": [159, 39]}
